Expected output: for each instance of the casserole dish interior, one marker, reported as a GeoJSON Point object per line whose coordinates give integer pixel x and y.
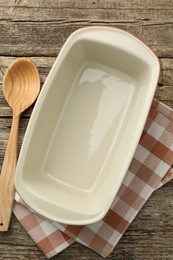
{"type": "Point", "coordinates": [86, 125]}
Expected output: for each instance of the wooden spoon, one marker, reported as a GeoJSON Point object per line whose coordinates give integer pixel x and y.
{"type": "Point", "coordinates": [21, 85]}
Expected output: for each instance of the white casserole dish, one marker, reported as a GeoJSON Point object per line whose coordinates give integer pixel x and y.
{"type": "Point", "coordinates": [86, 125]}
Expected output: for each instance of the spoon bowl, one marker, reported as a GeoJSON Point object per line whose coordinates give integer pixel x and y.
{"type": "Point", "coordinates": [21, 86]}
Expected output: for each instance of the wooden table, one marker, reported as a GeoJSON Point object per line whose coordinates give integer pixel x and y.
{"type": "Point", "coordinates": [38, 29]}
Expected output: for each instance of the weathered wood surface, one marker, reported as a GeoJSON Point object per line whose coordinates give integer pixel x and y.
{"type": "Point", "coordinates": [38, 29]}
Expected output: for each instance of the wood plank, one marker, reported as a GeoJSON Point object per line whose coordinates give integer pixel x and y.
{"type": "Point", "coordinates": [156, 4]}
{"type": "Point", "coordinates": [38, 29]}
{"type": "Point", "coordinates": [44, 65]}
{"type": "Point", "coordinates": [164, 90]}
{"type": "Point", "coordinates": [165, 94]}
{"type": "Point", "coordinates": [42, 39]}
{"type": "Point", "coordinates": [71, 14]}
{"type": "Point", "coordinates": [148, 237]}
{"type": "Point", "coordinates": [5, 126]}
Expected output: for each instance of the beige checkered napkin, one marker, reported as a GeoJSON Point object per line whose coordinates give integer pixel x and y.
{"type": "Point", "coordinates": [149, 169]}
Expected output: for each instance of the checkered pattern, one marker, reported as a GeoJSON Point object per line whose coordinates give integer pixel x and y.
{"type": "Point", "coordinates": [50, 240]}
{"type": "Point", "coordinates": [149, 170]}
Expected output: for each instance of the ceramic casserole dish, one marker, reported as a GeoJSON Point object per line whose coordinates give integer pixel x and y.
{"type": "Point", "coordinates": [86, 125]}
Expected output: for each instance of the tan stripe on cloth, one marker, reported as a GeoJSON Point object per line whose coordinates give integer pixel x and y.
{"type": "Point", "coordinates": [149, 170]}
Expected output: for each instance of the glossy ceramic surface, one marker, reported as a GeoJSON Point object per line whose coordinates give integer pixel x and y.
{"type": "Point", "coordinates": [86, 125]}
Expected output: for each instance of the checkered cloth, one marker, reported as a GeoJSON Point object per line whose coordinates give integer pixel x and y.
{"type": "Point", "coordinates": [149, 170]}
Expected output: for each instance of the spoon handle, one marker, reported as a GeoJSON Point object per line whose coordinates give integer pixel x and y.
{"type": "Point", "coordinates": [7, 189]}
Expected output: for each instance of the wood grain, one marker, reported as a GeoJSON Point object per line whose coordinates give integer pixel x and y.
{"type": "Point", "coordinates": [21, 85]}
{"type": "Point", "coordinates": [7, 189]}
{"type": "Point", "coordinates": [45, 39]}
{"type": "Point", "coordinates": [38, 29]}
